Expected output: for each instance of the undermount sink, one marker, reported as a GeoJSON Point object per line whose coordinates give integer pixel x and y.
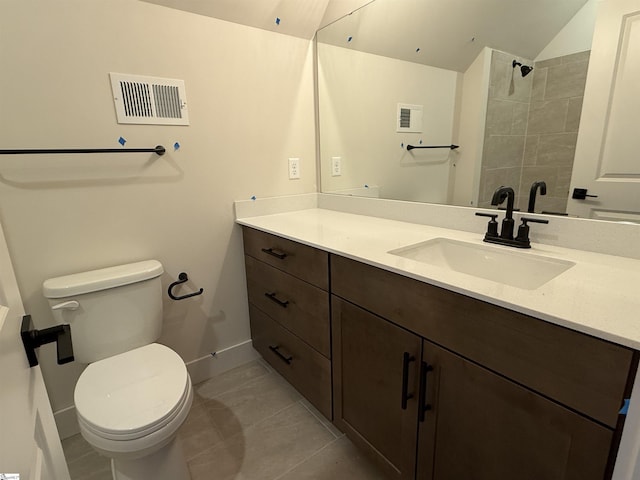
{"type": "Point", "coordinates": [518, 269]}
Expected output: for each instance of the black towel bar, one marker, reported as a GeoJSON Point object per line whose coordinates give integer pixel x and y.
{"type": "Point", "coordinates": [159, 150]}
{"type": "Point", "coordinates": [452, 147]}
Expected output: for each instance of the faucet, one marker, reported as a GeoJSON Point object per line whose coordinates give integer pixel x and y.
{"type": "Point", "coordinates": [532, 194]}
{"type": "Point", "coordinates": [506, 235]}
{"type": "Point", "coordinates": [507, 223]}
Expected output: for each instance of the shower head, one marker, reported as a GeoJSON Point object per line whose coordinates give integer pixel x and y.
{"type": "Point", "coordinates": [524, 69]}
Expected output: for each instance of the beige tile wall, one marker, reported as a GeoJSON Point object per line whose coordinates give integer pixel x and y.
{"type": "Point", "coordinates": [532, 128]}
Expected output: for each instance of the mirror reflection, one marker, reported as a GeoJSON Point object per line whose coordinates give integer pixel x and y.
{"type": "Point", "coordinates": [504, 80]}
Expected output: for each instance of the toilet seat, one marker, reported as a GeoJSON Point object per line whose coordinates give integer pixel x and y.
{"type": "Point", "coordinates": [133, 395]}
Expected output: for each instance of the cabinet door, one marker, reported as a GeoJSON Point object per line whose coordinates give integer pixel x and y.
{"type": "Point", "coordinates": [375, 386]}
{"type": "Point", "coordinates": [481, 426]}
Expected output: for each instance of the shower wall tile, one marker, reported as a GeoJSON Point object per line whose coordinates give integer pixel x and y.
{"type": "Point", "coordinates": [504, 151]}
{"type": "Point", "coordinates": [549, 63]}
{"type": "Point", "coordinates": [531, 128]}
{"type": "Point", "coordinates": [577, 57]}
{"type": "Point", "coordinates": [539, 83]}
{"type": "Point", "coordinates": [499, 117]}
{"type": "Point", "coordinates": [566, 80]}
{"type": "Point", "coordinates": [563, 181]}
{"type": "Point", "coordinates": [530, 150]}
{"type": "Point", "coordinates": [573, 114]}
{"type": "Point", "coordinates": [519, 118]}
{"type": "Point", "coordinates": [548, 117]}
{"type": "Point", "coordinates": [557, 149]}
{"type": "Point", "coordinates": [493, 178]}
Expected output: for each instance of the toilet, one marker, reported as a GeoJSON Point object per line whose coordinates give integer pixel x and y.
{"type": "Point", "coordinates": [135, 393]}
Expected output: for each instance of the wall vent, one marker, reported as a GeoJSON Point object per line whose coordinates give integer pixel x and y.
{"type": "Point", "coordinates": [409, 118]}
{"type": "Point", "coordinates": [149, 100]}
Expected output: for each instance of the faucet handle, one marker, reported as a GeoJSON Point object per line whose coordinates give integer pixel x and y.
{"type": "Point", "coordinates": [523, 230]}
{"type": "Point", "coordinates": [532, 220]}
{"type": "Point", "coordinates": [492, 226]}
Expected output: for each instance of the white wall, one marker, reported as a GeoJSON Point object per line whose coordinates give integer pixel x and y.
{"type": "Point", "coordinates": [250, 95]}
{"type": "Point", "coordinates": [363, 132]}
{"type": "Point", "coordinates": [473, 111]}
{"type": "Point", "coordinates": [576, 35]}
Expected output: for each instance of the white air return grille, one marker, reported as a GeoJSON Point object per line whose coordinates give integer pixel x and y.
{"type": "Point", "coordinates": [149, 100]}
{"type": "Point", "coordinates": [409, 118]}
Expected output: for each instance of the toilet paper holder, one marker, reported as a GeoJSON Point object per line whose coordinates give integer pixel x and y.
{"type": "Point", "coordinates": [182, 277]}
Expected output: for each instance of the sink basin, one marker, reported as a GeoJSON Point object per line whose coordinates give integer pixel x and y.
{"type": "Point", "coordinates": [518, 269]}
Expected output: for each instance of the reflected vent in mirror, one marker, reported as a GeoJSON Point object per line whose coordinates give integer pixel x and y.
{"type": "Point", "coordinates": [409, 118]}
{"type": "Point", "coordinates": [149, 100]}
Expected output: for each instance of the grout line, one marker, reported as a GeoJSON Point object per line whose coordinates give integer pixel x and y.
{"type": "Point", "coordinates": [243, 430]}
{"type": "Point", "coordinates": [323, 421]}
{"type": "Point", "coordinates": [327, 445]}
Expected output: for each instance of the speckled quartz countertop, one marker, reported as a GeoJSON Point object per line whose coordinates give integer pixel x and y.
{"type": "Point", "coordinates": [599, 295]}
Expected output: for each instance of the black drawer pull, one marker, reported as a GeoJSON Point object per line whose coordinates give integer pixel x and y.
{"type": "Point", "coordinates": [406, 359]}
{"type": "Point", "coordinates": [273, 253]}
{"type": "Point", "coordinates": [284, 358]}
{"type": "Point", "coordinates": [422, 395]}
{"type": "Point", "coordinates": [273, 298]}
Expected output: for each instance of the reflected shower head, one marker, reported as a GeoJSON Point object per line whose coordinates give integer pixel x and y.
{"type": "Point", "coordinates": [524, 69]}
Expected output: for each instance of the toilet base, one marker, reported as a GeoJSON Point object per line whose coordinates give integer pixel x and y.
{"type": "Point", "coordinates": [168, 463]}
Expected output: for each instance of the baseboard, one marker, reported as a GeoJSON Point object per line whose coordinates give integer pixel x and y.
{"type": "Point", "coordinates": [200, 369]}
{"type": "Point", "coordinates": [67, 422]}
{"type": "Point", "coordinates": [204, 368]}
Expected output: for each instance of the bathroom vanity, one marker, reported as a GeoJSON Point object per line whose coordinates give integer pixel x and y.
{"type": "Point", "coordinates": [437, 374]}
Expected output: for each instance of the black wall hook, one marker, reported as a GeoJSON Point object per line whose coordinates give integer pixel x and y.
{"type": "Point", "coordinates": [182, 277]}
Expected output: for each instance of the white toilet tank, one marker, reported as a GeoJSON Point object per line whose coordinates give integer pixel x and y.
{"type": "Point", "coordinates": [111, 310]}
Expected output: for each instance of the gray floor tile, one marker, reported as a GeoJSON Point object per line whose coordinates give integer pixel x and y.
{"type": "Point", "coordinates": [230, 380]}
{"type": "Point", "coordinates": [338, 460]}
{"type": "Point", "coordinates": [248, 424]}
{"type": "Point", "coordinates": [264, 450]}
{"type": "Point", "coordinates": [250, 403]}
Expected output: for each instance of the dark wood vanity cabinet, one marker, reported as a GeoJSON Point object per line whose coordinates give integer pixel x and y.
{"type": "Point", "coordinates": [287, 285]}
{"type": "Point", "coordinates": [432, 384]}
{"type": "Point", "coordinates": [374, 370]}
{"type": "Point", "coordinates": [490, 393]}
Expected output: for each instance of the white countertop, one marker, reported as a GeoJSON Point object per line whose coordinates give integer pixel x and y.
{"type": "Point", "coordinates": [600, 295]}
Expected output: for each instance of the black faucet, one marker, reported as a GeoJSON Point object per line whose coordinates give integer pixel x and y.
{"type": "Point", "coordinates": [507, 223]}
{"type": "Point", "coordinates": [505, 237]}
{"type": "Point", "coordinates": [532, 194]}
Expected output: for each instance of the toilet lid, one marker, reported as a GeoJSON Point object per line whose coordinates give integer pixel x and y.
{"type": "Point", "coordinates": [133, 393]}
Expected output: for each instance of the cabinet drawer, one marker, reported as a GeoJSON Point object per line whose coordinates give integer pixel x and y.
{"type": "Point", "coordinates": [307, 370]}
{"type": "Point", "coordinates": [302, 261]}
{"type": "Point", "coordinates": [298, 306]}
{"type": "Point", "coordinates": [580, 371]}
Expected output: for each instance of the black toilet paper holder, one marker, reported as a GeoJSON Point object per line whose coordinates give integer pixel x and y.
{"type": "Point", "coordinates": [182, 277]}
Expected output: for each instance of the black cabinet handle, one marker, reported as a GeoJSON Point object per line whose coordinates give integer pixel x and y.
{"type": "Point", "coordinates": [284, 358]}
{"type": "Point", "coordinates": [422, 395]}
{"type": "Point", "coordinates": [406, 359]}
{"type": "Point", "coordinates": [273, 298]}
{"type": "Point", "coordinates": [273, 253]}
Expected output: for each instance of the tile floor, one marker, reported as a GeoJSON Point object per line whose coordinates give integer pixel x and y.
{"type": "Point", "coordinates": [249, 423]}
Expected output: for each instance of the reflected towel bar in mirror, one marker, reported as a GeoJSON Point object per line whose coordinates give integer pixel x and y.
{"type": "Point", "coordinates": [452, 147]}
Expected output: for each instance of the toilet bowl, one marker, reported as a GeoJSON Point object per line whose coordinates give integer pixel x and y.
{"type": "Point", "coordinates": [130, 407]}
{"type": "Point", "coordinates": [134, 394]}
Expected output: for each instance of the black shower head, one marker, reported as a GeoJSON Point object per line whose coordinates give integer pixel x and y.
{"type": "Point", "coordinates": [524, 69]}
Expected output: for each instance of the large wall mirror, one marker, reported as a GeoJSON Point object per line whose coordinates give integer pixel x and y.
{"type": "Point", "coordinates": [497, 87]}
